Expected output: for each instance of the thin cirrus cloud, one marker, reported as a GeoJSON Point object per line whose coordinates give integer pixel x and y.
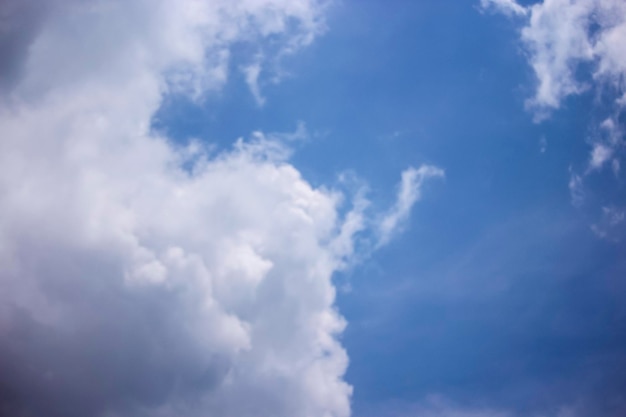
{"type": "Point", "coordinates": [145, 278]}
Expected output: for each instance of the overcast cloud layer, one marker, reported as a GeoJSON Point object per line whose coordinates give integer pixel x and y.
{"type": "Point", "coordinates": [145, 278]}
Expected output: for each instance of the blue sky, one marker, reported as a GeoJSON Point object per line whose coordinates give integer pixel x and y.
{"type": "Point", "coordinates": [501, 295]}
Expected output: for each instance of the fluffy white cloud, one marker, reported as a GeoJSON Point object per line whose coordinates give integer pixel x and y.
{"type": "Point", "coordinates": [143, 278]}
{"type": "Point", "coordinates": [131, 285]}
{"type": "Point", "coordinates": [560, 35]}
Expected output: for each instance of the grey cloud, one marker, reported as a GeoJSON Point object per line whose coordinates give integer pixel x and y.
{"type": "Point", "coordinates": [20, 21]}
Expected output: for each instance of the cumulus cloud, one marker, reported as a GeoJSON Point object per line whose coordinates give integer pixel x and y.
{"type": "Point", "coordinates": [133, 286]}
{"type": "Point", "coordinates": [144, 278]}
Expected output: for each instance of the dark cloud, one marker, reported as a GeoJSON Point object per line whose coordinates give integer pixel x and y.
{"type": "Point", "coordinates": [20, 21]}
{"type": "Point", "coordinates": [112, 350]}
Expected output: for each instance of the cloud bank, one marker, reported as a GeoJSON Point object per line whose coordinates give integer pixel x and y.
{"type": "Point", "coordinates": [145, 278]}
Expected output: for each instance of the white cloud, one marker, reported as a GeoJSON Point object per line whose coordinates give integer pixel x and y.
{"type": "Point", "coordinates": [187, 40]}
{"type": "Point", "coordinates": [560, 35]}
{"type": "Point", "coordinates": [132, 286]}
{"type": "Point", "coordinates": [574, 46]}
{"type": "Point", "coordinates": [507, 7]}
{"type": "Point", "coordinates": [252, 73]}
{"type": "Point", "coordinates": [143, 278]}
{"type": "Point", "coordinates": [408, 194]}
{"type": "Point", "coordinates": [557, 39]}
{"type": "Point", "coordinates": [599, 155]}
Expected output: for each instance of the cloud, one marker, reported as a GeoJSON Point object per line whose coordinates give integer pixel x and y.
{"type": "Point", "coordinates": [146, 278]}
{"type": "Point", "coordinates": [19, 22]}
{"type": "Point", "coordinates": [611, 223]}
{"type": "Point", "coordinates": [599, 155]}
{"type": "Point", "coordinates": [574, 46]}
{"type": "Point", "coordinates": [558, 41]}
{"type": "Point", "coordinates": [188, 42]}
{"type": "Point", "coordinates": [576, 189]}
{"type": "Point", "coordinates": [132, 286]}
{"type": "Point", "coordinates": [252, 73]}
{"type": "Point", "coordinates": [409, 193]}
{"type": "Point", "coordinates": [561, 35]}
{"type": "Point", "coordinates": [608, 144]}
{"type": "Point", "coordinates": [140, 277]}
{"type": "Point", "coordinates": [507, 7]}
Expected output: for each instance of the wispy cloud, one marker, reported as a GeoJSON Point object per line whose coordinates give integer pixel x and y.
{"type": "Point", "coordinates": [611, 224]}
{"type": "Point", "coordinates": [252, 73]}
{"type": "Point", "coordinates": [575, 46]}
{"type": "Point", "coordinates": [508, 7]}
{"type": "Point", "coordinates": [409, 192]}
{"type": "Point", "coordinates": [576, 189]}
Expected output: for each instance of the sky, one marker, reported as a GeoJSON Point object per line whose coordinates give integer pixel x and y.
{"type": "Point", "coordinates": [312, 208]}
